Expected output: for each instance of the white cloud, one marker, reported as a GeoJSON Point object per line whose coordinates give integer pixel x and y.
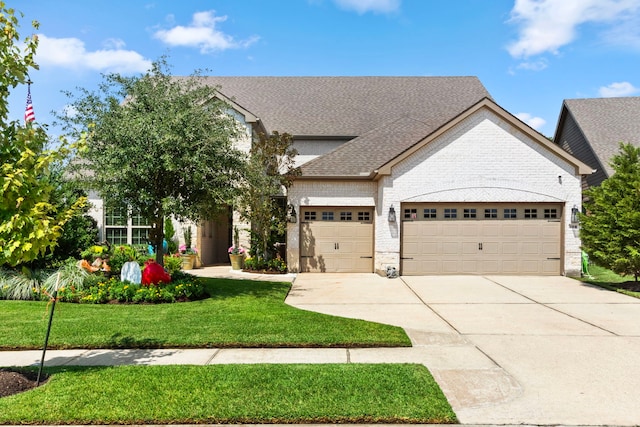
{"type": "Point", "coordinates": [203, 34]}
{"type": "Point", "coordinates": [363, 6]}
{"type": "Point", "coordinates": [547, 25]}
{"type": "Point", "coordinates": [534, 122]}
{"type": "Point", "coordinates": [618, 89]}
{"type": "Point", "coordinates": [71, 53]}
{"type": "Point", "coordinates": [538, 65]}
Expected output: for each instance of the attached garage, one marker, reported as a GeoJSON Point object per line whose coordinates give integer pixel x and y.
{"type": "Point", "coordinates": [336, 239]}
{"type": "Point", "coordinates": [468, 238]}
{"type": "Point", "coordinates": [474, 192]}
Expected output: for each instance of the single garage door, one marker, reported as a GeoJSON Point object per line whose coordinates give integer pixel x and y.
{"type": "Point", "coordinates": [517, 239]}
{"type": "Point", "coordinates": [336, 240]}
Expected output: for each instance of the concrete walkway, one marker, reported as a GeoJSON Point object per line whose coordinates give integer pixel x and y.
{"type": "Point", "coordinates": [505, 350]}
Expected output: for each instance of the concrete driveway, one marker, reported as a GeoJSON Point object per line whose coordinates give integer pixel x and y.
{"type": "Point", "coordinates": [505, 350]}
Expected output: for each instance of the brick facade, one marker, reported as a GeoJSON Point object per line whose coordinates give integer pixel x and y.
{"type": "Point", "coordinates": [482, 159]}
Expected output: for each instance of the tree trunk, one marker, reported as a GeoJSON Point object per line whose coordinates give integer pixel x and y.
{"type": "Point", "coordinates": [157, 237]}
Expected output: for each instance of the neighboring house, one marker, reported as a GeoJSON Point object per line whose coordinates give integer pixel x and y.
{"type": "Point", "coordinates": [592, 130]}
{"type": "Point", "coordinates": [427, 175]}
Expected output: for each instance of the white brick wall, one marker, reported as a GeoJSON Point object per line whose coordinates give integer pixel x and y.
{"type": "Point", "coordinates": [483, 159]}
{"type": "Point", "coordinates": [323, 193]}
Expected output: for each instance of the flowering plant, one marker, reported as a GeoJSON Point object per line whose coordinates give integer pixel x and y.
{"type": "Point", "coordinates": [236, 250]}
{"type": "Point", "coordinates": [184, 250]}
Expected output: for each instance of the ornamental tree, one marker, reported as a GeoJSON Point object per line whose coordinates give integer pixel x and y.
{"type": "Point", "coordinates": [610, 228]}
{"type": "Point", "coordinates": [269, 173]}
{"type": "Point", "coordinates": [159, 145]}
{"type": "Point", "coordinates": [30, 221]}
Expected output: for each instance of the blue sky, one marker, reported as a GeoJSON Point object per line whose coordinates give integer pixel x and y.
{"type": "Point", "coordinates": [529, 54]}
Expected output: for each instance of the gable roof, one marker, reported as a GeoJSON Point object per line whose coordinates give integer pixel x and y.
{"type": "Point", "coordinates": [376, 152]}
{"type": "Point", "coordinates": [346, 106]}
{"type": "Point", "coordinates": [604, 122]}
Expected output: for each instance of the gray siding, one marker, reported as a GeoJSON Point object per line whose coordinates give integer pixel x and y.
{"type": "Point", "coordinates": [572, 140]}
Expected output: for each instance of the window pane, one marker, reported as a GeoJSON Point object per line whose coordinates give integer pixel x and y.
{"type": "Point", "coordinates": [429, 213]}
{"type": "Point", "coordinates": [139, 236]}
{"type": "Point", "coordinates": [137, 220]}
{"type": "Point", "coordinates": [491, 213]}
{"type": "Point", "coordinates": [410, 213]}
{"type": "Point", "coordinates": [451, 213]}
{"type": "Point", "coordinates": [345, 216]}
{"type": "Point", "coordinates": [364, 216]}
{"type": "Point", "coordinates": [531, 213]}
{"type": "Point", "coordinates": [115, 216]}
{"type": "Point", "coordinates": [327, 216]}
{"type": "Point", "coordinates": [551, 213]}
{"type": "Point", "coordinates": [310, 216]}
{"type": "Point", "coordinates": [469, 213]}
{"type": "Point", "coordinates": [116, 236]}
{"type": "Point", "coordinates": [509, 213]}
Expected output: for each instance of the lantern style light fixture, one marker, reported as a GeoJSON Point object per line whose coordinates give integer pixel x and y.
{"type": "Point", "coordinates": [292, 216]}
{"type": "Point", "coordinates": [574, 215]}
{"type": "Point", "coordinates": [392, 214]}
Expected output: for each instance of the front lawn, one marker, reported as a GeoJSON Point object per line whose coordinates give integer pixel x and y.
{"type": "Point", "coordinates": [607, 279]}
{"type": "Point", "coordinates": [238, 314]}
{"type": "Point", "coordinates": [233, 394]}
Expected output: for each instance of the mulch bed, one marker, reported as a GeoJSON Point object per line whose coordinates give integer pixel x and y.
{"type": "Point", "coordinates": [13, 382]}
{"type": "Point", "coordinates": [629, 286]}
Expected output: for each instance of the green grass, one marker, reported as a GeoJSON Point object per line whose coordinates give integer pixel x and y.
{"type": "Point", "coordinates": [238, 314]}
{"type": "Point", "coordinates": [343, 393]}
{"type": "Point", "coordinates": [607, 279]}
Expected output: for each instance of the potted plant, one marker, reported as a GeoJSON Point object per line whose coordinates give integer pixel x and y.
{"type": "Point", "coordinates": [236, 252]}
{"type": "Point", "coordinates": [187, 253]}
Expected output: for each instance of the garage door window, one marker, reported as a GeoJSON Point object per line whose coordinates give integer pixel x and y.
{"type": "Point", "coordinates": [430, 213]}
{"type": "Point", "coordinates": [510, 213]}
{"type": "Point", "coordinates": [470, 213]}
{"type": "Point", "coordinates": [410, 213]}
{"type": "Point", "coordinates": [530, 213]}
{"type": "Point", "coordinates": [327, 216]}
{"type": "Point", "coordinates": [338, 215]}
{"type": "Point", "coordinates": [364, 216]}
{"type": "Point", "coordinates": [550, 213]}
{"type": "Point", "coordinates": [450, 213]}
{"type": "Point", "coordinates": [491, 213]}
{"type": "Point", "coordinates": [345, 216]}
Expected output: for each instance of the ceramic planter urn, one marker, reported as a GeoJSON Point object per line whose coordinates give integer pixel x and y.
{"type": "Point", "coordinates": [188, 260]}
{"type": "Point", "coordinates": [236, 261]}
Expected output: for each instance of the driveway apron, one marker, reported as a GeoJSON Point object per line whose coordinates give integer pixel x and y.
{"type": "Point", "coordinates": [505, 350]}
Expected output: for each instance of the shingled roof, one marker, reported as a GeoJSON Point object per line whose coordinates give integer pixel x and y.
{"type": "Point", "coordinates": [605, 122]}
{"type": "Point", "coordinates": [348, 106]}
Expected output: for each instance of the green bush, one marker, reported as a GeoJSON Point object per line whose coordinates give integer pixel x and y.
{"type": "Point", "coordinates": [184, 288]}
{"type": "Point", "coordinates": [172, 263]}
{"type": "Point", "coordinates": [275, 265]}
{"type": "Point", "coordinates": [119, 255]}
{"type": "Point", "coordinates": [95, 251]}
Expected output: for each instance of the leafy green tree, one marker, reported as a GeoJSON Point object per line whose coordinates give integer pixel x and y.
{"type": "Point", "coordinates": [30, 223]}
{"type": "Point", "coordinates": [610, 228]}
{"type": "Point", "coordinates": [159, 145]}
{"type": "Point", "coordinates": [270, 171]}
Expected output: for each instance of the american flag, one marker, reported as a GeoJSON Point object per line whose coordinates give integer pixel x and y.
{"type": "Point", "coordinates": [29, 115]}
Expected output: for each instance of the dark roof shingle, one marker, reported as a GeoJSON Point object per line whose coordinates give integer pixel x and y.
{"type": "Point", "coordinates": [347, 106]}
{"type": "Point", "coordinates": [605, 122]}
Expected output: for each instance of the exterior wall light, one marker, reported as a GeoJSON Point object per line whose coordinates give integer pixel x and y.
{"type": "Point", "coordinates": [574, 215]}
{"type": "Point", "coordinates": [292, 217]}
{"type": "Point", "coordinates": [392, 214]}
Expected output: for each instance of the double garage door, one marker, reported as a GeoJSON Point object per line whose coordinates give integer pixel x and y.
{"type": "Point", "coordinates": [336, 240]}
{"type": "Point", "coordinates": [500, 238]}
